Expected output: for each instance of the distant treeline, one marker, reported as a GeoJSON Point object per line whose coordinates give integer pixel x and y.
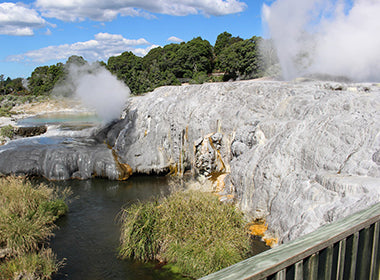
{"type": "Point", "coordinates": [195, 61]}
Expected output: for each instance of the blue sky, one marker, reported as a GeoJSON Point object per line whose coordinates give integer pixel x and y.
{"type": "Point", "coordinates": [44, 32]}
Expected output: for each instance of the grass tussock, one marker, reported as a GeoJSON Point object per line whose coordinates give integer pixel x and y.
{"type": "Point", "coordinates": [7, 131]}
{"type": "Point", "coordinates": [27, 216]}
{"type": "Point", "coordinates": [35, 265]}
{"type": "Point", "coordinates": [191, 231]}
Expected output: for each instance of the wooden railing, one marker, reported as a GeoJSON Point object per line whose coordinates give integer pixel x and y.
{"type": "Point", "coordinates": [346, 249]}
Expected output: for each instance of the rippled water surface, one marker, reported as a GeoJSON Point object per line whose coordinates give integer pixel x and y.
{"type": "Point", "coordinates": [89, 235]}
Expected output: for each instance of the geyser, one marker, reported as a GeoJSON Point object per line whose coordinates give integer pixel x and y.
{"type": "Point", "coordinates": [97, 89]}
{"type": "Point", "coordinates": [334, 37]}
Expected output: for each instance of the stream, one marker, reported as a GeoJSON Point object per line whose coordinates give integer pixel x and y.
{"type": "Point", "coordinates": [88, 236]}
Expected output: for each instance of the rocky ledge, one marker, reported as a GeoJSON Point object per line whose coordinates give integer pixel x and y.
{"type": "Point", "coordinates": [295, 154]}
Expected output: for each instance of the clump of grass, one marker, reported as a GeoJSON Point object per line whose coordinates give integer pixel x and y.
{"type": "Point", "coordinates": [192, 231]}
{"type": "Point", "coordinates": [5, 111]}
{"type": "Point", "coordinates": [27, 216]}
{"type": "Point", "coordinates": [35, 265]}
{"type": "Point", "coordinates": [7, 131]}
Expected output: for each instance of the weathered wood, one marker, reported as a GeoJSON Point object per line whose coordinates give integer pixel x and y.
{"type": "Point", "coordinates": [341, 258]}
{"type": "Point", "coordinates": [281, 275]}
{"type": "Point", "coordinates": [298, 270]}
{"type": "Point", "coordinates": [364, 254]}
{"type": "Point", "coordinates": [277, 259]}
{"type": "Point", "coordinates": [354, 255]}
{"type": "Point", "coordinates": [374, 270]}
{"type": "Point", "coordinates": [328, 263]}
{"type": "Point", "coordinates": [312, 268]}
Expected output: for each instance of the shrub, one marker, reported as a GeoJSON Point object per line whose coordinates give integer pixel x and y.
{"type": "Point", "coordinates": [192, 231]}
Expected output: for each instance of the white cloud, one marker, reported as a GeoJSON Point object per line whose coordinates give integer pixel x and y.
{"type": "Point", "coordinates": [73, 10]}
{"type": "Point", "coordinates": [101, 47]}
{"type": "Point", "coordinates": [174, 39]}
{"type": "Point", "coordinates": [48, 32]}
{"type": "Point", "coordinates": [18, 20]}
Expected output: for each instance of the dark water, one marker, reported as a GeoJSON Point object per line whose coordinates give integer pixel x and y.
{"type": "Point", "coordinates": [89, 235]}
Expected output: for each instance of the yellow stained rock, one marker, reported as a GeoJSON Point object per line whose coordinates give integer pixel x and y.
{"type": "Point", "coordinates": [271, 241]}
{"type": "Point", "coordinates": [258, 228]}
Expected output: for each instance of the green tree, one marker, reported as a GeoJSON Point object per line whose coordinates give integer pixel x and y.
{"type": "Point", "coordinates": [2, 84]}
{"type": "Point", "coordinates": [127, 67]}
{"type": "Point", "coordinates": [15, 86]}
{"type": "Point", "coordinates": [223, 41]}
{"type": "Point", "coordinates": [76, 60]}
{"type": "Point", "coordinates": [195, 56]}
{"type": "Point", "coordinates": [44, 78]}
{"type": "Point", "coordinates": [241, 60]}
{"type": "Point", "coordinates": [169, 60]}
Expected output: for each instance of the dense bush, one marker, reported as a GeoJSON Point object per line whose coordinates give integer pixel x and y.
{"type": "Point", "coordinates": [192, 231]}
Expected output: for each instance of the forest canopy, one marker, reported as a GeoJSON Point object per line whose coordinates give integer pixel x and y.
{"type": "Point", "coordinates": [195, 61]}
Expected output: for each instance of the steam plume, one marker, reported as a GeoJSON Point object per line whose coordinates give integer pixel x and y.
{"type": "Point", "coordinates": [97, 88]}
{"type": "Point", "coordinates": [334, 37]}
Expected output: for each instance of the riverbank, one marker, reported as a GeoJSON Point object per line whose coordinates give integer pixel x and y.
{"type": "Point", "coordinates": [27, 216]}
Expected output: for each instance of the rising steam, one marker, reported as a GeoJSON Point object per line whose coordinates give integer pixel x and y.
{"type": "Point", "coordinates": [97, 89]}
{"type": "Point", "coordinates": [334, 37]}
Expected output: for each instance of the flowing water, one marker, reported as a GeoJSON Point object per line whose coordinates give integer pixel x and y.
{"type": "Point", "coordinates": [88, 236]}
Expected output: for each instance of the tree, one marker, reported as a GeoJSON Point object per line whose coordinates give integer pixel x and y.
{"type": "Point", "coordinates": [196, 56]}
{"type": "Point", "coordinates": [2, 84]}
{"type": "Point", "coordinates": [223, 41]}
{"type": "Point", "coordinates": [76, 60]}
{"type": "Point", "coordinates": [241, 60]}
{"type": "Point", "coordinates": [44, 78]}
{"type": "Point", "coordinates": [127, 67]}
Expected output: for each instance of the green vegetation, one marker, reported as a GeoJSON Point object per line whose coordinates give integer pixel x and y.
{"type": "Point", "coordinates": [7, 102]}
{"type": "Point", "coordinates": [240, 59]}
{"type": "Point", "coordinates": [9, 86]}
{"type": "Point", "coordinates": [192, 231]}
{"type": "Point", "coordinates": [27, 216]}
{"type": "Point", "coordinates": [163, 66]}
{"type": "Point", "coordinates": [44, 78]}
{"type": "Point", "coordinates": [194, 61]}
{"type": "Point", "coordinates": [7, 131]}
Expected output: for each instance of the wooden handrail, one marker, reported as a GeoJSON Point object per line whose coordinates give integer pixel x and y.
{"type": "Point", "coordinates": [345, 249]}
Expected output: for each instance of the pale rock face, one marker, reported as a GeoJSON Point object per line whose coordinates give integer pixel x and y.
{"type": "Point", "coordinates": [298, 154]}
